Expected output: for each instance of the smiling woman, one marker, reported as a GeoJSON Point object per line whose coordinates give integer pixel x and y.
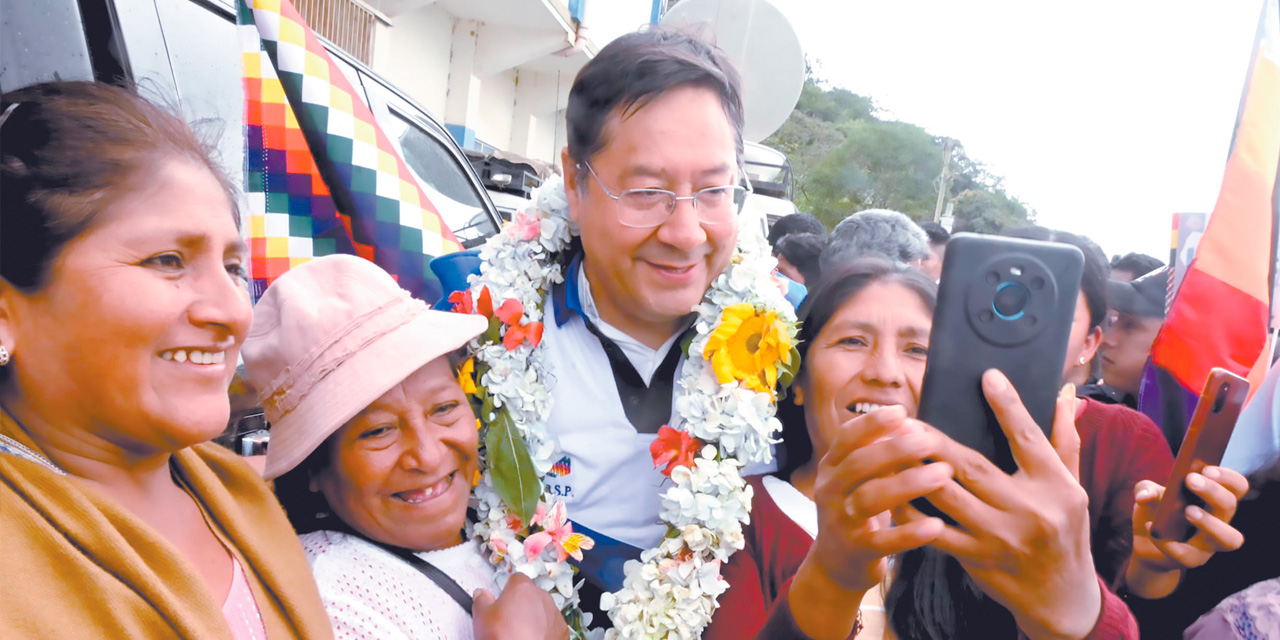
{"type": "Point", "coordinates": [374, 452]}
{"type": "Point", "coordinates": [122, 310]}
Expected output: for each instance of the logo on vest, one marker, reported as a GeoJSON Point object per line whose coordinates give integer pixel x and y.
{"type": "Point", "coordinates": [559, 470]}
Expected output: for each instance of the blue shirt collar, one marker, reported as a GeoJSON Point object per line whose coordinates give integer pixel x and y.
{"type": "Point", "coordinates": [565, 297]}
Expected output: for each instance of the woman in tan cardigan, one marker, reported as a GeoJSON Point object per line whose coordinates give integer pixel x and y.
{"type": "Point", "coordinates": [123, 305]}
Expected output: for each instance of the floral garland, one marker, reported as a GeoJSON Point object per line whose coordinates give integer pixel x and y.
{"type": "Point", "coordinates": [742, 347]}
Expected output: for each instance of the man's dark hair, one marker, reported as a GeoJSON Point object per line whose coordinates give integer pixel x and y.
{"type": "Point", "coordinates": [802, 251]}
{"type": "Point", "coordinates": [1139, 264]}
{"type": "Point", "coordinates": [937, 233]}
{"type": "Point", "coordinates": [795, 223]}
{"type": "Point", "coordinates": [636, 68]}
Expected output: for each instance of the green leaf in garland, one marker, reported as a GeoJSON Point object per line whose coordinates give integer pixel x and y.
{"type": "Point", "coordinates": [486, 406]}
{"type": "Point", "coordinates": [790, 368]}
{"type": "Point", "coordinates": [514, 477]}
{"type": "Point", "coordinates": [494, 334]}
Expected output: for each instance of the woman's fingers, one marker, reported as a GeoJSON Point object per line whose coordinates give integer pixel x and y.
{"type": "Point", "coordinates": [963, 545]}
{"type": "Point", "coordinates": [1214, 534]}
{"type": "Point", "coordinates": [904, 537]}
{"type": "Point", "coordinates": [1031, 450]}
{"type": "Point", "coordinates": [966, 509]}
{"type": "Point", "coordinates": [907, 447]}
{"type": "Point", "coordinates": [1146, 491]}
{"type": "Point", "coordinates": [1065, 439]}
{"type": "Point", "coordinates": [1237, 484]}
{"type": "Point", "coordinates": [882, 494]}
{"type": "Point", "coordinates": [862, 430]}
{"type": "Point", "coordinates": [1219, 500]}
{"type": "Point", "coordinates": [982, 478]}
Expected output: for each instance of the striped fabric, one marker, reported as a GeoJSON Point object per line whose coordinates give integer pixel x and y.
{"type": "Point", "coordinates": [320, 174]}
{"type": "Point", "coordinates": [1221, 313]}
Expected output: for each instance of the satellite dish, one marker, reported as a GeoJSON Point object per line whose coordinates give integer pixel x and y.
{"type": "Point", "coordinates": [763, 46]}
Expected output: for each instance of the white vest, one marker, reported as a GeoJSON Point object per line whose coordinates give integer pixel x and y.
{"type": "Point", "coordinates": [608, 480]}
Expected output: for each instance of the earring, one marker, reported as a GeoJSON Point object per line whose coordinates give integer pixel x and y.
{"type": "Point", "coordinates": [1082, 360]}
{"type": "Point", "coordinates": [4, 356]}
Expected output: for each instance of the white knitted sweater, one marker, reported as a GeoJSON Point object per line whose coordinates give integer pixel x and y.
{"type": "Point", "coordinates": [371, 594]}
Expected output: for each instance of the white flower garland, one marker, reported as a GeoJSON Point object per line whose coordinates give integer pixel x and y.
{"type": "Point", "coordinates": [672, 591]}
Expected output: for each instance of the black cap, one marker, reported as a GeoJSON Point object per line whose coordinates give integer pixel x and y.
{"type": "Point", "coordinates": [1143, 297]}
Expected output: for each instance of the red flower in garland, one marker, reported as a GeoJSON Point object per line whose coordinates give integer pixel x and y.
{"type": "Point", "coordinates": [462, 302]}
{"type": "Point", "coordinates": [673, 448]}
{"type": "Point", "coordinates": [510, 313]}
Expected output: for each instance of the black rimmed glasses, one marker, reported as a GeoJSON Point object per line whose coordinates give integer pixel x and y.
{"type": "Point", "coordinates": [646, 208]}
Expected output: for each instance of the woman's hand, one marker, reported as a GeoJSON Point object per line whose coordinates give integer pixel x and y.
{"type": "Point", "coordinates": [873, 465]}
{"type": "Point", "coordinates": [1024, 538]}
{"type": "Point", "coordinates": [1157, 565]}
{"type": "Point", "coordinates": [523, 611]}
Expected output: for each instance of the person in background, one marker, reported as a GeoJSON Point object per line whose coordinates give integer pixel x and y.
{"type": "Point", "coordinates": [875, 231]}
{"type": "Point", "coordinates": [795, 223]}
{"type": "Point", "coordinates": [1131, 266]}
{"type": "Point", "coordinates": [374, 448]}
{"type": "Point", "coordinates": [1204, 607]}
{"type": "Point", "coordinates": [798, 256]}
{"type": "Point", "coordinates": [123, 307]}
{"type": "Point", "coordinates": [1138, 308]}
{"type": "Point", "coordinates": [938, 239]}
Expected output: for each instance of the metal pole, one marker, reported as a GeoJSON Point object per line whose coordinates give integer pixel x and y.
{"type": "Point", "coordinates": [944, 181]}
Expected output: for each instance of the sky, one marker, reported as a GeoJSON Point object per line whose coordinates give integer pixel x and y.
{"type": "Point", "coordinates": [1105, 116]}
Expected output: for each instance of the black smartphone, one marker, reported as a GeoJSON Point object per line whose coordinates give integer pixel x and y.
{"type": "Point", "coordinates": [1007, 304]}
{"type": "Point", "coordinates": [1206, 441]}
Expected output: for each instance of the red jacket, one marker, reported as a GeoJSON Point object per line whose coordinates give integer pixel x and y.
{"type": "Point", "coordinates": [1118, 447]}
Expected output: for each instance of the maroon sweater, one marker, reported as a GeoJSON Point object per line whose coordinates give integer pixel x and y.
{"type": "Point", "coordinates": [1118, 447]}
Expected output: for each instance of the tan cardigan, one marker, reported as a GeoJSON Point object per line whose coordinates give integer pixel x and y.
{"type": "Point", "coordinates": [74, 564]}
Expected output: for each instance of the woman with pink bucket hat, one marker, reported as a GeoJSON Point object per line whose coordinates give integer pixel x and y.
{"type": "Point", "coordinates": [373, 451]}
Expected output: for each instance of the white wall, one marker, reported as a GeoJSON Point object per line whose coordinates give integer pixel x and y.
{"type": "Point", "coordinates": [414, 55]}
{"type": "Point", "coordinates": [497, 102]}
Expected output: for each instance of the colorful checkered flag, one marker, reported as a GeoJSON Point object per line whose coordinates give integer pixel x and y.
{"type": "Point", "coordinates": [320, 174]}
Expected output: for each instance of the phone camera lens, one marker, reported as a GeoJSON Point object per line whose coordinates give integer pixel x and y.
{"type": "Point", "coordinates": [1011, 300]}
{"type": "Point", "coordinates": [1221, 400]}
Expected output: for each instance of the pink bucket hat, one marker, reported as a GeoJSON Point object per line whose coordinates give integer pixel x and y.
{"type": "Point", "coordinates": [331, 336]}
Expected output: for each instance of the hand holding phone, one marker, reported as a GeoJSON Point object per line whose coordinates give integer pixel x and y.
{"type": "Point", "coordinates": [1206, 441]}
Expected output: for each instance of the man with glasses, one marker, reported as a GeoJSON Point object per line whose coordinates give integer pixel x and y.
{"type": "Point", "coordinates": [653, 180]}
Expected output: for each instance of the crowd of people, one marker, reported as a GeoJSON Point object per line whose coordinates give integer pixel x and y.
{"type": "Point", "coordinates": [124, 310]}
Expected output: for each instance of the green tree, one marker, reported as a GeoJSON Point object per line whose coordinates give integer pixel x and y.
{"type": "Point", "coordinates": [886, 165]}
{"type": "Point", "coordinates": [983, 211]}
{"type": "Point", "coordinates": [844, 158]}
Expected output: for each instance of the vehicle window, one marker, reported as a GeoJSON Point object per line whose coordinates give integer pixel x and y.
{"type": "Point", "coordinates": [444, 181]}
{"type": "Point", "coordinates": [205, 55]}
{"type": "Point", "coordinates": [27, 29]}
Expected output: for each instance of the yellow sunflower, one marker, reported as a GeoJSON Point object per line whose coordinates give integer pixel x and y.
{"type": "Point", "coordinates": [748, 346]}
{"type": "Point", "coordinates": [467, 376]}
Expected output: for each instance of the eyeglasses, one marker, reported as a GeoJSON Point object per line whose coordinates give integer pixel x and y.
{"type": "Point", "coordinates": [646, 208]}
